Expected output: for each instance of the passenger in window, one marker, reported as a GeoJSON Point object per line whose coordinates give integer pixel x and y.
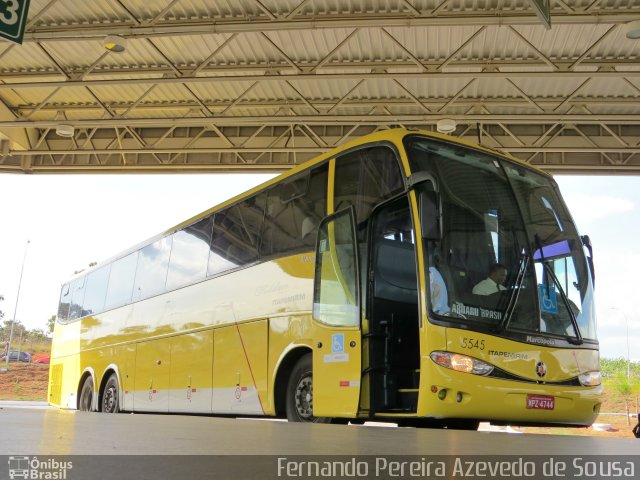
{"type": "Point", "coordinates": [494, 281]}
{"type": "Point", "coordinates": [438, 291]}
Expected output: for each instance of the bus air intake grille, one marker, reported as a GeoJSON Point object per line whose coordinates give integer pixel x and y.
{"type": "Point", "coordinates": [498, 373]}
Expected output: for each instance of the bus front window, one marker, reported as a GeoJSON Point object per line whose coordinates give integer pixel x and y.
{"type": "Point", "coordinates": [495, 253]}
{"type": "Point", "coordinates": [478, 256]}
{"type": "Point", "coordinates": [565, 290]}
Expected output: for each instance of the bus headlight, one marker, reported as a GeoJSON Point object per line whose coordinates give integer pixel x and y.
{"type": "Point", "coordinates": [590, 379]}
{"type": "Point", "coordinates": [461, 363]}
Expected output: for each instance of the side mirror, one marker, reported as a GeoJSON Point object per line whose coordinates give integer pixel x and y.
{"type": "Point", "coordinates": [586, 241]}
{"type": "Point", "coordinates": [430, 215]}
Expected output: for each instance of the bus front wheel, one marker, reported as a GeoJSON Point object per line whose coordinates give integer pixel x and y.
{"type": "Point", "coordinates": [85, 403]}
{"type": "Point", "coordinates": [110, 396]}
{"type": "Point", "coordinates": [300, 393]}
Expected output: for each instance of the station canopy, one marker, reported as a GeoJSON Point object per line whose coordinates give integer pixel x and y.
{"type": "Point", "coordinates": [262, 85]}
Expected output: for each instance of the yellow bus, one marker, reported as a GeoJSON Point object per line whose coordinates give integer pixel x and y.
{"type": "Point", "coordinates": [406, 276]}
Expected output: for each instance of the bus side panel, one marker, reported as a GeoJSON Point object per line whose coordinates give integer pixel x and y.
{"type": "Point", "coordinates": [153, 360]}
{"type": "Point", "coordinates": [127, 369]}
{"type": "Point", "coordinates": [255, 339]}
{"type": "Point", "coordinates": [239, 368]}
{"type": "Point", "coordinates": [191, 372]}
{"type": "Point", "coordinates": [285, 332]}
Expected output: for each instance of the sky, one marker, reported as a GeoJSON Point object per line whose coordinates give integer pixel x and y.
{"type": "Point", "coordinates": [73, 220]}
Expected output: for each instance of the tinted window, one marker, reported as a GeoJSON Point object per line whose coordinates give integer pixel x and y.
{"type": "Point", "coordinates": [218, 262]}
{"type": "Point", "coordinates": [77, 297]}
{"type": "Point", "coordinates": [65, 303]}
{"type": "Point", "coordinates": [236, 235]}
{"type": "Point", "coordinates": [482, 236]}
{"type": "Point", "coordinates": [96, 291]}
{"type": "Point", "coordinates": [365, 178]}
{"type": "Point", "coordinates": [189, 254]}
{"type": "Point", "coordinates": [293, 213]}
{"type": "Point", "coordinates": [151, 274]}
{"type": "Point", "coordinates": [335, 299]}
{"type": "Point", "coordinates": [121, 279]}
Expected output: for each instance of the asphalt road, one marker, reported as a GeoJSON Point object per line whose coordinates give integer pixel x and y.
{"type": "Point", "coordinates": [46, 432]}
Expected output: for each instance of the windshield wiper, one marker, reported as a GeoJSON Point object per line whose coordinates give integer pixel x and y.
{"type": "Point", "coordinates": [574, 321]}
{"type": "Point", "coordinates": [515, 293]}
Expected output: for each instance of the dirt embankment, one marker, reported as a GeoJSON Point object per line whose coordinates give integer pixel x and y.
{"type": "Point", "coordinates": [24, 381]}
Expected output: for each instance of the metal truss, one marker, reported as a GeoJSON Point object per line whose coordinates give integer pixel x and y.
{"type": "Point", "coordinates": [557, 148]}
{"type": "Point", "coordinates": [591, 125]}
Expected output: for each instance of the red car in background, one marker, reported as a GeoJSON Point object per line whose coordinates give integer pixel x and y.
{"type": "Point", "coordinates": [44, 359]}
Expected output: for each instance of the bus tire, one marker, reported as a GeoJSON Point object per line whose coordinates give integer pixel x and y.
{"type": "Point", "coordinates": [85, 402]}
{"type": "Point", "coordinates": [299, 404]}
{"type": "Point", "coordinates": [111, 396]}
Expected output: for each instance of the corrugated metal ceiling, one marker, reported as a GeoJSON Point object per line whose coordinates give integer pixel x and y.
{"type": "Point", "coordinates": [255, 69]}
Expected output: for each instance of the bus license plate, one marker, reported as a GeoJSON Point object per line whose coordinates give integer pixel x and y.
{"type": "Point", "coordinates": [540, 402]}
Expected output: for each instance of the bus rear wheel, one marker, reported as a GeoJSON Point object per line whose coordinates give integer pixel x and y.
{"type": "Point", "coordinates": [110, 396]}
{"type": "Point", "coordinates": [85, 403]}
{"type": "Point", "coordinates": [299, 404]}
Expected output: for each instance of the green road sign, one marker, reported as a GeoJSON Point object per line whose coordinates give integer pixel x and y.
{"type": "Point", "coordinates": [543, 10]}
{"type": "Point", "coordinates": [13, 18]}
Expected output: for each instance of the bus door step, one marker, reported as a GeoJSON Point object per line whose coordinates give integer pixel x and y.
{"type": "Point", "coordinates": [408, 399]}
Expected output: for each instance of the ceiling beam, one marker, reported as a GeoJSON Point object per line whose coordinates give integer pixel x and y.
{"type": "Point", "coordinates": [207, 26]}
{"type": "Point", "coordinates": [288, 119]}
{"type": "Point", "coordinates": [555, 75]}
{"type": "Point", "coordinates": [318, 149]}
{"type": "Point", "coordinates": [534, 102]}
{"type": "Point", "coordinates": [619, 63]}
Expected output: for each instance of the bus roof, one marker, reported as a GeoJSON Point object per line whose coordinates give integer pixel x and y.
{"type": "Point", "coordinates": [395, 135]}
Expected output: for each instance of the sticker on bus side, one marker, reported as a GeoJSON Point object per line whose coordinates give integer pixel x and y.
{"type": "Point", "coordinates": [337, 343]}
{"type": "Point", "coordinates": [336, 357]}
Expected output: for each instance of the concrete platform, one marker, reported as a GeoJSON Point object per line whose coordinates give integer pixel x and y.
{"type": "Point", "coordinates": [39, 430]}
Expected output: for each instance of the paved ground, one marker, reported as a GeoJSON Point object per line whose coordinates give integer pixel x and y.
{"type": "Point", "coordinates": [38, 430]}
{"type": "Point", "coordinates": [158, 447]}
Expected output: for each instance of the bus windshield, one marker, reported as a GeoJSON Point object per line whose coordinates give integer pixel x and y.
{"type": "Point", "coordinates": [509, 258]}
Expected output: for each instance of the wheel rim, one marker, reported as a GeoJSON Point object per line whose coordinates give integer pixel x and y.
{"type": "Point", "coordinates": [110, 399]}
{"type": "Point", "coordinates": [304, 398]}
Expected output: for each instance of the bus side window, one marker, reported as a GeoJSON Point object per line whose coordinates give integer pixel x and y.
{"type": "Point", "coordinates": [77, 297]}
{"type": "Point", "coordinates": [236, 235]}
{"type": "Point", "coordinates": [121, 278]}
{"type": "Point", "coordinates": [152, 269]}
{"type": "Point", "coordinates": [218, 262]}
{"type": "Point", "coordinates": [279, 230]}
{"type": "Point", "coordinates": [96, 291]}
{"type": "Point", "coordinates": [293, 213]}
{"type": "Point", "coordinates": [365, 178]}
{"type": "Point", "coordinates": [189, 254]}
{"type": "Point", "coordinates": [65, 303]}
{"type": "Point", "coordinates": [315, 206]}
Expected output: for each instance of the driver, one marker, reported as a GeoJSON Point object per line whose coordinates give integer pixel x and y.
{"type": "Point", "coordinates": [494, 281]}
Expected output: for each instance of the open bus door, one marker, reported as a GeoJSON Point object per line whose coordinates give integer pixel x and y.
{"type": "Point", "coordinates": [337, 359]}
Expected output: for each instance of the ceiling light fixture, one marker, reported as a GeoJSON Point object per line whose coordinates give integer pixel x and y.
{"type": "Point", "coordinates": [64, 130]}
{"type": "Point", "coordinates": [446, 125]}
{"type": "Point", "coordinates": [633, 30]}
{"type": "Point", "coordinates": [115, 43]}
